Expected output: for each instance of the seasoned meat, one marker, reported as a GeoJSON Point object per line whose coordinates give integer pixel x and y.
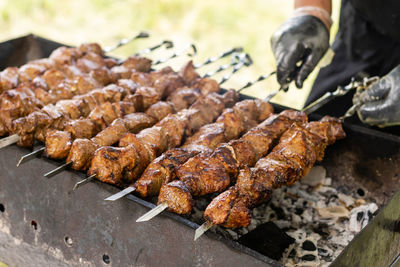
{"type": "Point", "coordinates": [160, 110]}
{"type": "Point", "coordinates": [188, 73]}
{"type": "Point", "coordinates": [58, 144]}
{"type": "Point", "coordinates": [91, 47]}
{"type": "Point", "coordinates": [109, 162]}
{"type": "Point", "coordinates": [111, 134]}
{"type": "Point", "coordinates": [177, 196]}
{"type": "Point", "coordinates": [173, 126]}
{"type": "Point", "coordinates": [144, 97]}
{"type": "Point", "coordinates": [8, 78]}
{"type": "Point", "coordinates": [136, 122]}
{"type": "Point", "coordinates": [154, 137]}
{"type": "Point", "coordinates": [138, 63]}
{"type": "Point", "coordinates": [80, 128]}
{"type": "Point", "coordinates": [165, 85]}
{"type": "Point", "coordinates": [81, 153]}
{"type": "Point", "coordinates": [206, 85]}
{"type": "Point", "coordinates": [162, 171]}
{"type": "Point", "coordinates": [209, 135]}
{"type": "Point", "coordinates": [295, 154]}
{"type": "Point", "coordinates": [183, 98]}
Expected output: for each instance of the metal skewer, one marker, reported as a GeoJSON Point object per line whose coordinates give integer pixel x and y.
{"type": "Point", "coordinates": [259, 79]}
{"type": "Point", "coordinates": [235, 60]}
{"type": "Point", "coordinates": [30, 155]}
{"type": "Point", "coordinates": [216, 58]}
{"type": "Point", "coordinates": [179, 53]}
{"type": "Point", "coordinates": [9, 140]}
{"type": "Point", "coordinates": [202, 229]}
{"type": "Point", "coordinates": [244, 60]}
{"type": "Point", "coordinates": [57, 170]}
{"type": "Point", "coordinates": [166, 43]}
{"type": "Point", "coordinates": [153, 212]}
{"type": "Point", "coordinates": [121, 194]}
{"type": "Point", "coordinates": [84, 181]}
{"type": "Point", "coordinates": [125, 41]}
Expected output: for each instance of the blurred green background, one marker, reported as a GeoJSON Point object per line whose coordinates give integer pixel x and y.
{"type": "Point", "coordinates": [214, 26]}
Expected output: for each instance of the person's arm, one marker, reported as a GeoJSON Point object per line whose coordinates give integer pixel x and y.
{"type": "Point", "coordinates": [302, 40]}
{"type": "Point", "coordinates": [381, 102]}
{"type": "Point", "coordinates": [323, 9]}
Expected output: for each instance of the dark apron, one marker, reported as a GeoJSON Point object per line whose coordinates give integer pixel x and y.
{"type": "Point", "coordinates": [359, 47]}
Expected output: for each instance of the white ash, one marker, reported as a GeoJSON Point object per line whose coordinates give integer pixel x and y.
{"type": "Point", "coordinates": [313, 213]}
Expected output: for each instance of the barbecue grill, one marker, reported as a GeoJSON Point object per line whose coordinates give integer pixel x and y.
{"type": "Point", "coordinates": [75, 228]}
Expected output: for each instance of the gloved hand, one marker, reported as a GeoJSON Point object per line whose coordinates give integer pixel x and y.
{"type": "Point", "coordinates": [302, 39]}
{"type": "Point", "coordinates": [381, 101]}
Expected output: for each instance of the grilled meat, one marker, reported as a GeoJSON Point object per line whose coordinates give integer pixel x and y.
{"type": "Point", "coordinates": [297, 151]}
{"type": "Point", "coordinates": [230, 124]}
{"type": "Point", "coordinates": [205, 174]}
{"type": "Point", "coordinates": [157, 139]}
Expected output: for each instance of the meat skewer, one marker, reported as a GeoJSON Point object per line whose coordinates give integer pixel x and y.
{"type": "Point", "coordinates": [294, 156]}
{"type": "Point", "coordinates": [176, 54]}
{"type": "Point", "coordinates": [77, 87]}
{"type": "Point", "coordinates": [174, 126]}
{"type": "Point", "coordinates": [65, 60]}
{"type": "Point", "coordinates": [205, 174]}
{"type": "Point", "coordinates": [113, 165]}
{"type": "Point", "coordinates": [230, 125]}
{"type": "Point", "coordinates": [140, 97]}
{"type": "Point", "coordinates": [161, 170]}
{"type": "Point", "coordinates": [181, 96]}
{"type": "Point", "coordinates": [208, 61]}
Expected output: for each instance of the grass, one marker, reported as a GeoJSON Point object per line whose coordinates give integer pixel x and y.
{"type": "Point", "coordinates": [214, 26]}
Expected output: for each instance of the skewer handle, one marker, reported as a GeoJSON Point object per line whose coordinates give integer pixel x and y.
{"type": "Point", "coordinates": [235, 60]}
{"type": "Point", "coordinates": [166, 43]}
{"type": "Point", "coordinates": [9, 140]}
{"type": "Point", "coordinates": [125, 41]}
{"type": "Point", "coordinates": [244, 61]}
{"type": "Point", "coordinates": [153, 213]}
{"type": "Point", "coordinates": [179, 53]}
{"type": "Point", "coordinates": [216, 58]}
{"type": "Point", "coordinates": [259, 79]}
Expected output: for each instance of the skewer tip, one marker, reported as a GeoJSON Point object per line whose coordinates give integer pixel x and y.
{"type": "Point", "coordinates": [84, 181]}
{"type": "Point", "coordinates": [202, 229]}
{"type": "Point", "coordinates": [121, 194]}
{"type": "Point", "coordinates": [30, 155]}
{"type": "Point", "coordinates": [153, 213]}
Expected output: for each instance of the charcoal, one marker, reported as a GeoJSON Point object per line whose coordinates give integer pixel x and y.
{"type": "Point", "coordinates": [267, 239]}
{"type": "Point", "coordinates": [309, 245]}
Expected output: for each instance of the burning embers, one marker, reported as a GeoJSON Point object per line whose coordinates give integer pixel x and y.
{"type": "Point", "coordinates": [316, 221]}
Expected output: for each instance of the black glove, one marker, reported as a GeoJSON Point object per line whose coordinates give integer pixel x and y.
{"type": "Point", "coordinates": [302, 39]}
{"type": "Point", "coordinates": [381, 101]}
